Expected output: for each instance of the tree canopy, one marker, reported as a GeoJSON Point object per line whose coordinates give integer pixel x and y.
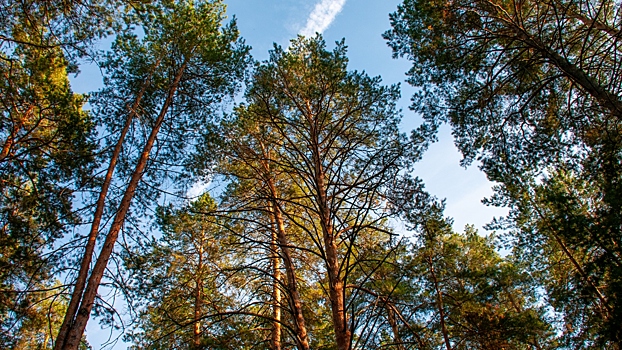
{"type": "Point", "coordinates": [311, 229]}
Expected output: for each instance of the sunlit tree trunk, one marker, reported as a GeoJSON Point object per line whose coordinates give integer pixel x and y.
{"type": "Point", "coordinates": [292, 286]}
{"type": "Point", "coordinates": [99, 210]}
{"type": "Point", "coordinates": [335, 282]}
{"type": "Point", "coordinates": [394, 328]}
{"type": "Point", "coordinates": [198, 298]}
{"type": "Point", "coordinates": [74, 335]}
{"type": "Point", "coordinates": [276, 292]}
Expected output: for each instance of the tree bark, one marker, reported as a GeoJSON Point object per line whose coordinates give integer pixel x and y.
{"type": "Point", "coordinates": [441, 307]}
{"type": "Point", "coordinates": [590, 85]}
{"type": "Point", "coordinates": [276, 293]}
{"type": "Point", "coordinates": [395, 312]}
{"type": "Point", "coordinates": [76, 296]}
{"type": "Point", "coordinates": [336, 287]}
{"type": "Point", "coordinates": [393, 323]}
{"type": "Point", "coordinates": [335, 283]}
{"type": "Point", "coordinates": [74, 335]}
{"type": "Point", "coordinates": [198, 299]}
{"type": "Point", "coordinates": [17, 125]}
{"type": "Point", "coordinates": [292, 285]}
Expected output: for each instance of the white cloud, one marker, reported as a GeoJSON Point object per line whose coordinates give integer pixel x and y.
{"type": "Point", "coordinates": [322, 16]}
{"type": "Point", "coordinates": [197, 189]}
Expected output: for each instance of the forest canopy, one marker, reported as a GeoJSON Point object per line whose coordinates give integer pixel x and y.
{"type": "Point", "coordinates": [312, 229]}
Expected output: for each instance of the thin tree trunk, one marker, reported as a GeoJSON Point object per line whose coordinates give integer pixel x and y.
{"type": "Point", "coordinates": [336, 294]}
{"type": "Point", "coordinates": [77, 329]}
{"type": "Point", "coordinates": [336, 286]}
{"type": "Point", "coordinates": [583, 274]}
{"type": "Point", "coordinates": [393, 323]}
{"type": "Point", "coordinates": [46, 340]}
{"type": "Point", "coordinates": [198, 299]}
{"type": "Point", "coordinates": [335, 283]}
{"type": "Point", "coordinates": [76, 296]}
{"type": "Point", "coordinates": [441, 307]}
{"type": "Point", "coordinates": [276, 293]}
{"type": "Point", "coordinates": [574, 12]}
{"type": "Point", "coordinates": [292, 285]}
{"type": "Point", "coordinates": [603, 301]}
{"type": "Point", "coordinates": [595, 24]}
{"type": "Point", "coordinates": [394, 310]}
{"type": "Point", "coordinates": [17, 125]}
{"type": "Point", "coordinates": [519, 310]}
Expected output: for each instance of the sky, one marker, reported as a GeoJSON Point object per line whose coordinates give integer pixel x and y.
{"type": "Point", "coordinates": [262, 23]}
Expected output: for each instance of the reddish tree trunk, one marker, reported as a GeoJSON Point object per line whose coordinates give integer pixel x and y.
{"type": "Point", "coordinates": [74, 335]}
{"type": "Point", "coordinates": [198, 299]}
{"type": "Point", "coordinates": [335, 283]}
{"type": "Point", "coordinates": [92, 237]}
{"type": "Point", "coordinates": [292, 286]}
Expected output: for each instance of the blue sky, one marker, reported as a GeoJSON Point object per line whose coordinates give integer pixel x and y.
{"type": "Point", "coordinates": [361, 23]}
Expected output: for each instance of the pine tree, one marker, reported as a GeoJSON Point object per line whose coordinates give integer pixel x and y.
{"type": "Point", "coordinates": [184, 63]}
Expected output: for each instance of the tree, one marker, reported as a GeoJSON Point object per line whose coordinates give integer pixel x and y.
{"type": "Point", "coordinates": [47, 145]}
{"type": "Point", "coordinates": [46, 156]}
{"type": "Point", "coordinates": [36, 318]}
{"type": "Point", "coordinates": [532, 90]}
{"type": "Point", "coordinates": [480, 300]}
{"type": "Point", "coordinates": [69, 27]}
{"type": "Point", "coordinates": [459, 293]}
{"type": "Point", "coordinates": [340, 146]}
{"type": "Point", "coordinates": [183, 282]}
{"type": "Point", "coordinates": [184, 63]}
{"type": "Point", "coordinates": [248, 155]}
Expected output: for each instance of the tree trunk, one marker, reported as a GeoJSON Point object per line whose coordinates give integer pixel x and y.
{"type": "Point", "coordinates": [276, 293]}
{"type": "Point", "coordinates": [198, 299]}
{"type": "Point", "coordinates": [603, 300]}
{"type": "Point", "coordinates": [292, 286]}
{"type": "Point", "coordinates": [590, 85]}
{"type": "Point", "coordinates": [74, 302]}
{"type": "Point", "coordinates": [99, 210]}
{"type": "Point", "coordinates": [393, 323]}
{"type": "Point", "coordinates": [336, 294]}
{"type": "Point", "coordinates": [17, 125]}
{"type": "Point", "coordinates": [335, 283]}
{"type": "Point", "coordinates": [74, 335]}
{"type": "Point", "coordinates": [441, 307]}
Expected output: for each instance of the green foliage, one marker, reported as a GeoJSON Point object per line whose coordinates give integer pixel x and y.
{"type": "Point", "coordinates": [488, 302]}
{"type": "Point", "coordinates": [46, 155]}
{"type": "Point", "coordinates": [180, 36]}
{"type": "Point", "coordinates": [532, 90]}
{"type": "Point", "coordinates": [339, 147]}
{"type": "Point", "coordinates": [68, 26]}
{"type": "Point", "coordinates": [184, 280]}
{"type": "Point", "coordinates": [35, 320]}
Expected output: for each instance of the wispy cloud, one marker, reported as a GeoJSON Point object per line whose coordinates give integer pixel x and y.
{"type": "Point", "coordinates": [322, 16]}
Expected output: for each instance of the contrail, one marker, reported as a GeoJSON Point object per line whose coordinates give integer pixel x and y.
{"type": "Point", "coordinates": [322, 16]}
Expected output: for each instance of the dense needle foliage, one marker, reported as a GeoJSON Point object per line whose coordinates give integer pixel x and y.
{"type": "Point", "coordinates": [311, 230]}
